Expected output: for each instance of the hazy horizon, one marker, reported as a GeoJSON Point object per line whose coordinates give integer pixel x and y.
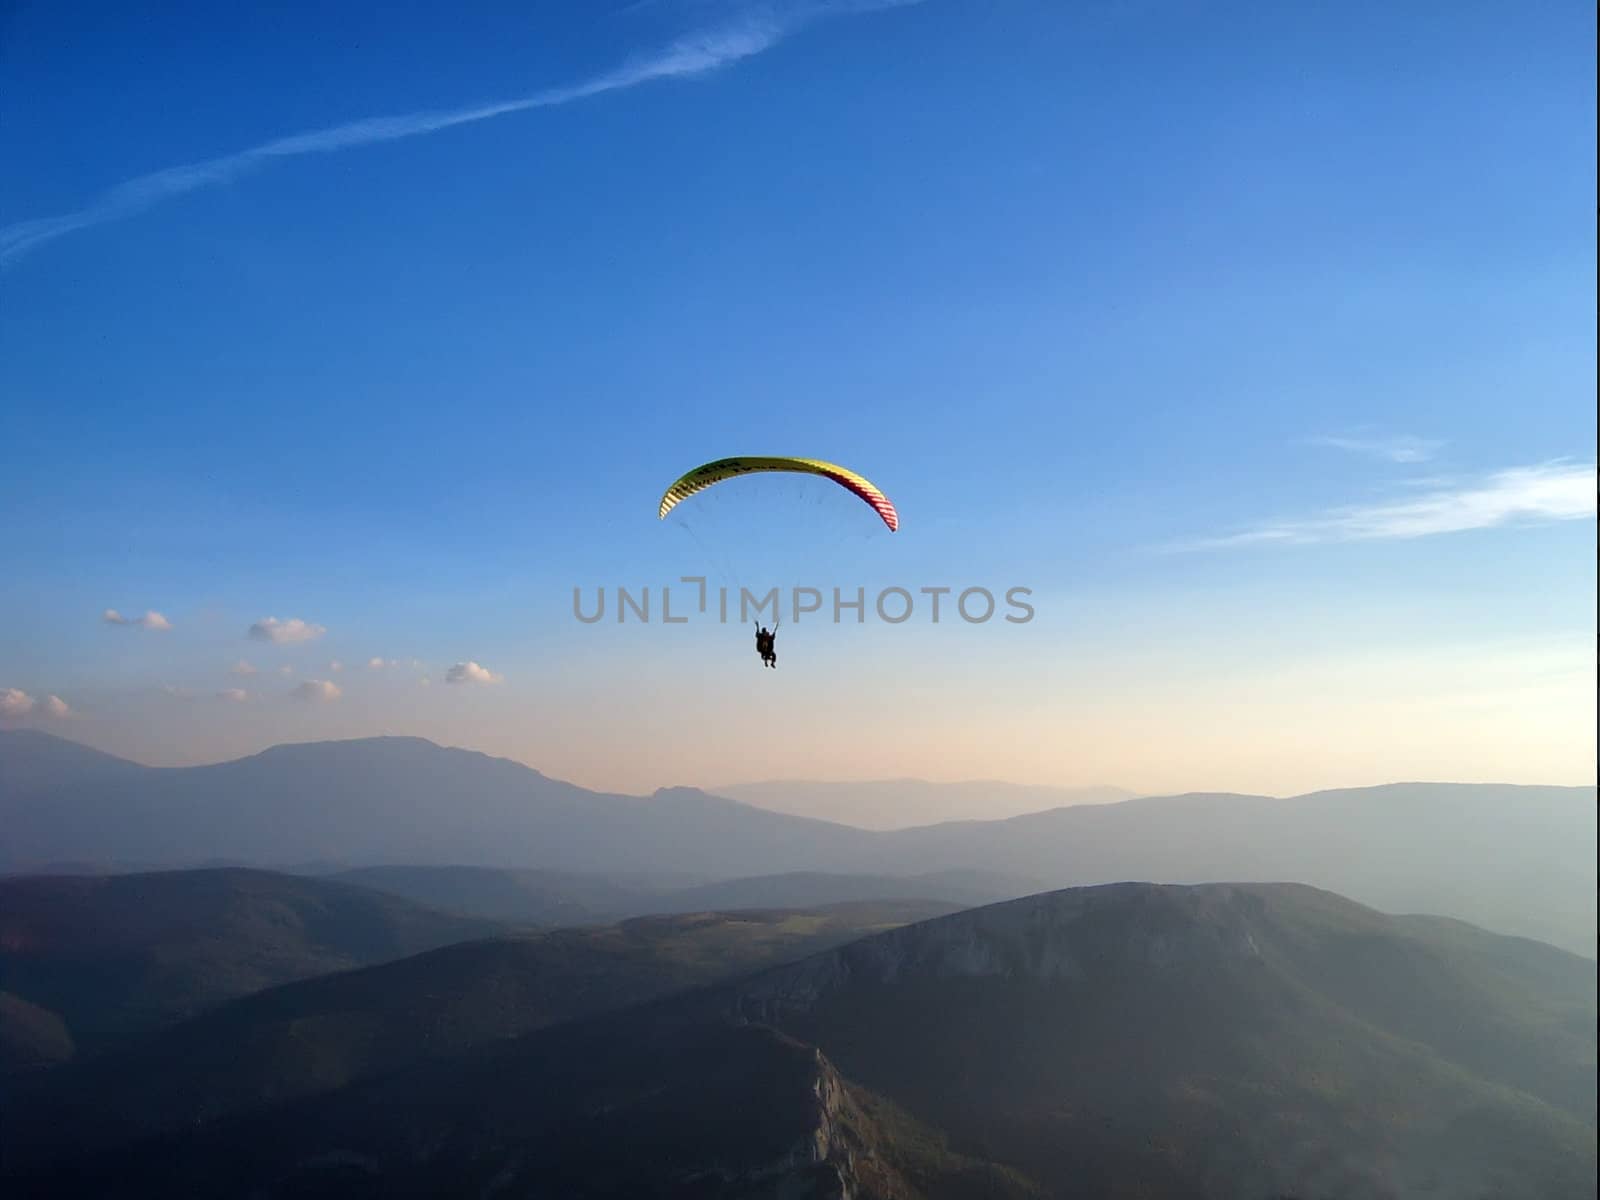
{"type": "Point", "coordinates": [725, 786]}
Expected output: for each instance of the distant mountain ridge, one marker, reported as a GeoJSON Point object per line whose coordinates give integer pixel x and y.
{"type": "Point", "coordinates": [885, 804]}
{"type": "Point", "coordinates": [377, 801]}
{"type": "Point", "coordinates": [1518, 859]}
{"type": "Point", "coordinates": [548, 897]}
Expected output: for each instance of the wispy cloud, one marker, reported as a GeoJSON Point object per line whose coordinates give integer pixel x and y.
{"type": "Point", "coordinates": [151, 620]}
{"type": "Point", "coordinates": [1556, 491]}
{"type": "Point", "coordinates": [749, 33]}
{"type": "Point", "coordinates": [317, 690]}
{"type": "Point", "coordinates": [271, 629]}
{"type": "Point", "coordinates": [1398, 448]}
{"type": "Point", "coordinates": [242, 668]}
{"type": "Point", "coordinates": [233, 695]}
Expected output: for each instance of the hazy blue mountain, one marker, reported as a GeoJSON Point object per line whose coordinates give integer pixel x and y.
{"type": "Point", "coordinates": [1518, 860]}
{"type": "Point", "coordinates": [376, 801]}
{"type": "Point", "coordinates": [1515, 859]}
{"type": "Point", "coordinates": [32, 762]}
{"type": "Point", "coordinates": [903, 803]}
{"type": "Point", "coordinates": [111, 956]}
{"type": "Point", "coordinates": [1225, 1041]}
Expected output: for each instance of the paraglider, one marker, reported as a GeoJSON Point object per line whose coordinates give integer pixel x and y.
{"type": "Point", "coordinates": [711, 473]}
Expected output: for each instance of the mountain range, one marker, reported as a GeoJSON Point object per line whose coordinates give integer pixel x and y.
{"type": "Point", "coordinates": [1247, 1042]}
{"type": "Point", "coordinates": [1516, 859]}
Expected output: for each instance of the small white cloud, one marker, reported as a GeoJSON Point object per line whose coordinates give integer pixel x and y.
{"type": "Point", "coordinates": [151, 620]}
{"type": "Point", "coordinates": [286, 671]}
{"type": "Point", "coordinates": [283, 633]}
{"type": "Point", "coordinates": [1400, 448]}
{"type": "Point", "coordinates": [470, 672]}
{"type": "Point", "coordinates": [378, 664]}
{"type": "Point", "coordinates": [242, 668]}
{"type": "Point", "coordinates": [317, 690]}
{"type": "Point", "coordinates": [14, 702]}
{"type": "Point", "coordinates": [336, 665]}
{"type": "Point", "coordinates": [235, 695]}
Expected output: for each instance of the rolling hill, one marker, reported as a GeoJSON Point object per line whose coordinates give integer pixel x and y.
{"type": "Point", "coordinates": [566, 898]}
{"type": "Point", "coordinates": [111, 956]}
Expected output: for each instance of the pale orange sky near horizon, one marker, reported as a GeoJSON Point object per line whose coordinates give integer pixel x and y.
{"type": "Point", "coordinates": [1520, 711]}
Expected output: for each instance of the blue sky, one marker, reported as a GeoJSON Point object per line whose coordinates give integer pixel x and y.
{"type": "Point", "coordinates": [1257, 339]}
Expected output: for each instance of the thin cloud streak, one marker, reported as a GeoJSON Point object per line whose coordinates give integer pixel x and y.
{"type": "Point", "coordinates": [693, 54]}
{"type": "Point", "coordinates": [1399, 449]}
{"type": "Point", "coordinates": [1554, 491]}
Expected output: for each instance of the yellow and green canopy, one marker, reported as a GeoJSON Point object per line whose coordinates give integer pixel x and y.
{"type": "Point", "coordinates": [710, 473]}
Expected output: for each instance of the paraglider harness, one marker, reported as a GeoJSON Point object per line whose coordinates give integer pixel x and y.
{"type": "Point", "coordinates": [766, 644]}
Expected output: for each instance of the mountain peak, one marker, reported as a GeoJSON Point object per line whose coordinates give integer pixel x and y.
{"type": "Point", "coordinates": [392, 748]}
{"type": "Point", "coordinates": [1072, 934]}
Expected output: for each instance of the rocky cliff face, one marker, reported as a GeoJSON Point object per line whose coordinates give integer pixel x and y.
{"type": "Point", "coordinates": [1066, 935]}
{"type": "Point", "coordinates": [819, 1164]}
{"type": "Point", "coordinates": [836, 1159]}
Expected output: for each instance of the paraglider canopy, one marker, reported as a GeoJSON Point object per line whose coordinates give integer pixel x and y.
{"type": "Point", "coordinates": [711, 473]}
